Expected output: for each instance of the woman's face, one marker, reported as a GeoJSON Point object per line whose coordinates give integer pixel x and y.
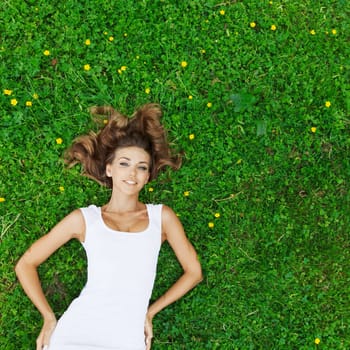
{"type": "Point", "coordinates": [130, 169]}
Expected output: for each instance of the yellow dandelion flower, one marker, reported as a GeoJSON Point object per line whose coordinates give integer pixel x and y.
{"type": "Point", "coordinates": [125, 35]}
{"type": "Point", "coordinates": [105, 121]}
{"type": "Point", "coordinates": [202, 51]}
{"type": "Point", "coordinates": [191, 136]}
{"type": "Point", "coordinates": [123, 68]}
{"type": "Point", "coordinates": [61, 188]}
{"type": "Point", "coordinates": [317, 341]}
{"type": "Point", "coordinates": [59, 141]}
{"type": "Point", "coordinates": [252, 24]}
{"type": "Point", "coordinates": [47, 53]}
{"type": "Point", "coordinates": [35, 96]}
{"type": "Point", "coordinates": [111, 38]}
{"type": "Point", "coordinates": [186, 193]}
{"type": "Point", "coordinates": [87, 67]}
{"type": "Point", "coordinates": [105, 33]}
{"type": "Point", "coordinates": [151, 189]}
{"type": "Point", "coordinates": [334, 31]}
{"type": "Point", "coordinates": [147, 90]}
{"type": "Point", "coordinates": [211, 225]}
{"type": "Point", "coordinates": [209, 105]}
{"type": "Point", "coordinates": [312, 32]}
{"type": "Point", "coordinates": [190, 97]}
{"type": "Point", "coordinates": [7, 92]}
{"type": "Point", "coordinates": [222, 12]}
{"type": "Point", "coordinates": [120, 71]}
{"type": "Point", "coordinates": [14, 102]}
{"type": "Point", "coordinates": [273, 27]}
{"type": "Point", "coordinates": [29, 103]}
{"type": "Point", "coordinates": [217, 215]}
{"type": "Point", "coordinates": [327, 104]}
{"type": "Point", "coordinates": [184, 64]}
{"type": "Point", "coordinates": [2, 199]}
{"type": "Point", "coordinates": [87, 42]}
{"type": "Point", "coordinates": [313, 129]}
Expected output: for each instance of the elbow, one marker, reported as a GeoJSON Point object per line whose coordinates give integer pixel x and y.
{"type": "Point", "coordinates": [197, 273]}
{"type": "Point", "coordinates": [200, 276]}
{"type": "Point", "coordinates": [18, 267]}
{"type": "Point", "coordinates": [21, 267]}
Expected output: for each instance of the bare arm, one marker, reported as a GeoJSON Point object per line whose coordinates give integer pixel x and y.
{"type": "Point", "coordinates": [72, 226]}
{"type": "Point", "coordinates": [187, 256]}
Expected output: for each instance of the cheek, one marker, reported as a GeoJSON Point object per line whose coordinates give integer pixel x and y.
{"type": "Point", "coordinates": [144, 177]}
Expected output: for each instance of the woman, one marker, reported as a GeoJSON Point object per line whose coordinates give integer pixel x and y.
{"type": "Point", "coordinates": [122, 241]}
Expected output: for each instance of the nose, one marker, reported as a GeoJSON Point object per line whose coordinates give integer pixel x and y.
{"type": "Point", "coordinates": [132, 172]}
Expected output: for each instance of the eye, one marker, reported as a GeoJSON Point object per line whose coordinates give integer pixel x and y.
{"type": "Point", "coordinates": [124, 164]}
{"type": "Point", "coordinates": [143, 168]}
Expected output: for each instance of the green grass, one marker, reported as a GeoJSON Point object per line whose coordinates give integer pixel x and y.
{"type": "Point", "coordinates": [276, 262]}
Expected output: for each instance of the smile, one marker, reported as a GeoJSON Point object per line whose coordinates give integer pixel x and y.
{"type": "Point", "coordinates": [130, 182]}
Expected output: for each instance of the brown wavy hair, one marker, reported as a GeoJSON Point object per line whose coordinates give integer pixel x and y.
{"type": "Point", "coordinates": [144, 129]}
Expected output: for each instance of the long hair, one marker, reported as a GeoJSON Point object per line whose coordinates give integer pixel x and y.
{"type": "Point", "coordinates": [144, 129]}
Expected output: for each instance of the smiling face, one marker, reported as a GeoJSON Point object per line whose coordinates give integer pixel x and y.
{"type": "Point", "coordinates": [130, 169]}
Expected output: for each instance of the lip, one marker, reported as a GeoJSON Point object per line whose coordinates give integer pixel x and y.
{"type": "Point", "coordinates": [130, 182]}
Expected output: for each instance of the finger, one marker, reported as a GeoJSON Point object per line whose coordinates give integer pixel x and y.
{"type": "Point", "coordinates": [148, 343]}
{"type": "Point", "coordinates": [39, 343]}
{"type": "Point", "coordinates": [42, 347]}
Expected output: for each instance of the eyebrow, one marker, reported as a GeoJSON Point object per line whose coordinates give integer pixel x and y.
{"type": "Point", "coordinates": [130, 160]}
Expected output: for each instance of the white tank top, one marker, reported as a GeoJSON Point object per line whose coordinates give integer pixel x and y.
{"type": "Point", "coordinates": [110, 311]}
{"type": "Point", "coordinates": [121, 261]}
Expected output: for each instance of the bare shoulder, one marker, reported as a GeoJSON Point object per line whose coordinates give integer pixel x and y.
{"type": "Point", "coordinates": [169, 217]}
{"type": "Point", "coordinates": [73, 225]}
{"type": "Point", "coordinates": [167, 213]}
{"type": "Point", "coordinates": [171, 225]}
{"type": "Point", "coordinates": [76, 217]}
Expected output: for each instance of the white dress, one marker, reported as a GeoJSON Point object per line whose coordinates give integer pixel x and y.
{"type": "Point", "coordinates": [110, 311]}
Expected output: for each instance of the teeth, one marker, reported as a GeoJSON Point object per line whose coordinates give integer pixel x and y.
{"type": "Point", "coordinates": [130, 182]}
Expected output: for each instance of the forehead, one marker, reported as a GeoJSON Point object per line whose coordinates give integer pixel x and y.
{"type": "Point", "coordinates": [133, 153]}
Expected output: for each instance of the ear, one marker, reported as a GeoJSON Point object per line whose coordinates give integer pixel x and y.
{"type": "Point", "coordinates": [108, 170]}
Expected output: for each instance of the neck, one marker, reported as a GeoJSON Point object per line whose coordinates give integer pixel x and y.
{"type": "Point", "coordinates": [119, 203]}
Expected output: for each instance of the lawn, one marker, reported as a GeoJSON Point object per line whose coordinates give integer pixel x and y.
{"type": "Point", "coordinates": [256, 95]}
